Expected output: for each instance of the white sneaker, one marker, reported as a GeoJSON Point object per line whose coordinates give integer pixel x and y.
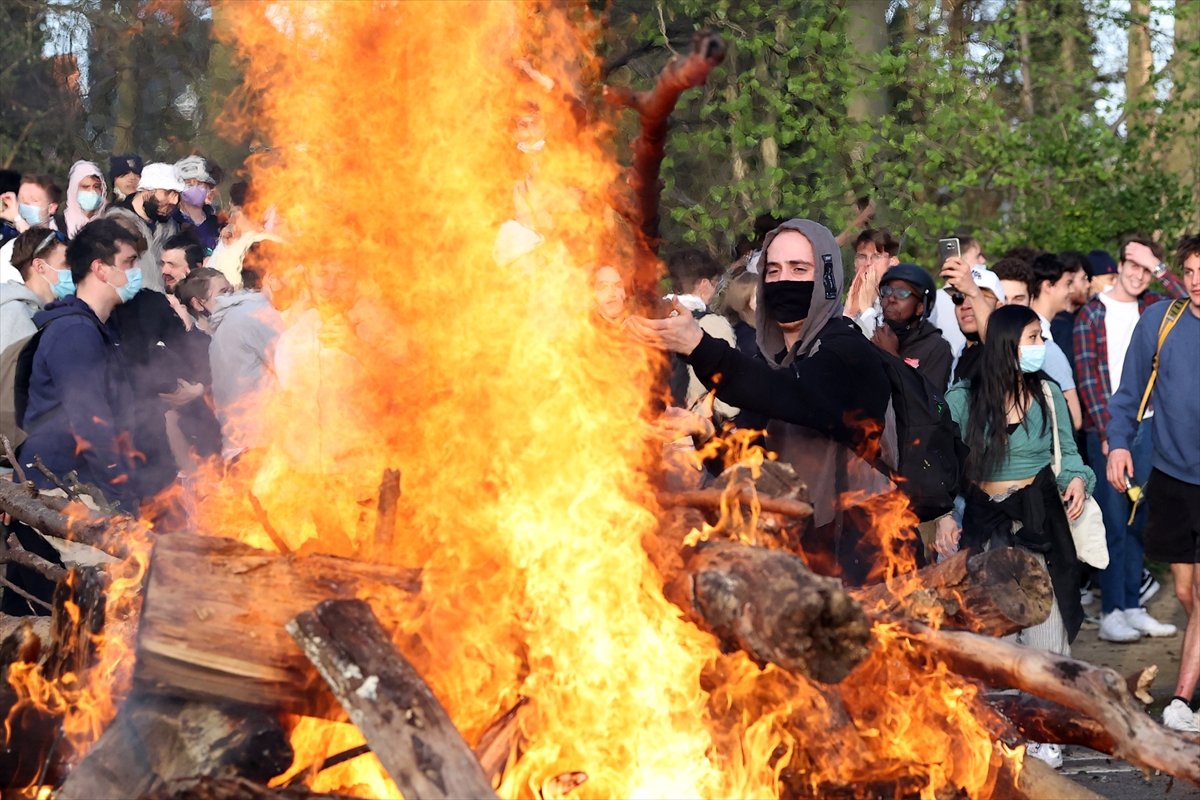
{"type": "Point", "coordinates": [1050, 753]}
{"type": "Point", "coordinates": [1178, 717]}
{"type": "Point", "coordinates": [1114, 628]}
{"type": "Point", "coordinates": [1139, 619]}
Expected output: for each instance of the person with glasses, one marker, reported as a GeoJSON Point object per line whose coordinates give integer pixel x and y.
{"type": "Point", "coordinates": [875, 251]}
{"type": "Point", "coordinates": [906, 296]}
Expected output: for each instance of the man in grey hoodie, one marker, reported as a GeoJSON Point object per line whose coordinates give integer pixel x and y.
{"type": "Point", "coordinates": [245, 327]}
{"type": "Point", "coordinates": [40, 257]}
{"type": "Point", "coordinates": [823, 386]}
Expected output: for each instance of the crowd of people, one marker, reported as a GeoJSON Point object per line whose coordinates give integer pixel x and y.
{"type": "Point", "coordinates": [137, 327]}
{"type": "Point", "coordinates": [135, 324]}
{"type": "Point", "coordinates": [1070, 376]}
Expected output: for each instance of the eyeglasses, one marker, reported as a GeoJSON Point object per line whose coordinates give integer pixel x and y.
{"type": "Point", "coordinates": [898, 292]}
{"type": "Point", "coordinates": [863, 258]}
{"type": "Point", "coordinates": [956, 298]}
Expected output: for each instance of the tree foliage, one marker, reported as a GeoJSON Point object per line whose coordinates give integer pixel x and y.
{"type": "Point", "coordinates": [947, 143]}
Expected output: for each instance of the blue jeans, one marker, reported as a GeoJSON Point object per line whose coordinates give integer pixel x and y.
{"type": "Point", "coordinates": [1120, 582]}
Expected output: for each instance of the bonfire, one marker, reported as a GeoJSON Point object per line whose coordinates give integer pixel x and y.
{"type": "Point", "coordinates": [453, 568]}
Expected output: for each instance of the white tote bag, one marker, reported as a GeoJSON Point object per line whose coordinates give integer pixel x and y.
{"type": "Point", "coordinates": [1091, 542]}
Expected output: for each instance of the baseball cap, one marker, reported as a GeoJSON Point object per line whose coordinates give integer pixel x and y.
{"type": "Point", "coordinates": [1101, 262]}
{"type": "Point", "coordinates": [160, 176]}
{"type": "Point", "coordinates": [986, 279]}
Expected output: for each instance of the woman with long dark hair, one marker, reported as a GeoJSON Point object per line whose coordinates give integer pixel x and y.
{"type": "Point", "coordinates": [1014, 498]}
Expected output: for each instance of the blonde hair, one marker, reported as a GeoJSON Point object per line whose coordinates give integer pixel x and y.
{"type": "Point", "coordinates": [735, 302]}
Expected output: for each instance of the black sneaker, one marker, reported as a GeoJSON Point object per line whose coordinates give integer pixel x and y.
{"type": "Point", "coordinates": [1149, 587]}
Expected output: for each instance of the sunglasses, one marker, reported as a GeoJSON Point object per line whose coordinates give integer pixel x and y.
{"type": "Point", "coordinates": [898, 292]}
{"type": "Point", "coordinates": [956, 298]}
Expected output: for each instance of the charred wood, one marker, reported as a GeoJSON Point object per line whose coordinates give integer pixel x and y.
{"type": "Point", "coordinates": [116, 768]}
{"type": "Point", "coordinates": [1095, 692]}
{"type": "Point", "coordinates": [225, 640]}
{"type": "Point", "coordinates": [233, 789]}
{"type": "Point", "coordinates": [76, 522]}
{"type": "Point", "coordinates": [386, 698]}
{"type": "Point", "coordinates": [769, 604]}
{"type": "Point", "coordinates": [187, 740]}
{"type": "Point", "coordinates": [996, 593]}
{"type": "Point", "coordinates": [1041, 720]}
{"type": "Point", "coordinates": [654, 109]}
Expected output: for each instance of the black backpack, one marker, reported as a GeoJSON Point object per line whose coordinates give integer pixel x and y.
{"type": "Point", "coordinates": [931, 451]}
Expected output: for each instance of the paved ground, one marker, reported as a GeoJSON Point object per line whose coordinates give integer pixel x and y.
{"type": "Point", "coordinates": [1108, 776]}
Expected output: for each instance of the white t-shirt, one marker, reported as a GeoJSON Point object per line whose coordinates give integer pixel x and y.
{"type": "Point", "coordinates": [1119, 321]}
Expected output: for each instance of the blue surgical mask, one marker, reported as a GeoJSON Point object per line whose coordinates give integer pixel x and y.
{"type": "Point", "coordinates": [65, 285]}
{"type": "Point", "coordinates": [133, 284]}
{"type": "Point", "coordinates": [89, 201]}
{"type": "Point", "coordinates": [31, 214]}
{"type": "Point", "coordinates": [1033, 356]}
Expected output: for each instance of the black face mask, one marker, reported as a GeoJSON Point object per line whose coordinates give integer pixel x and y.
{"type": "Point", "coordinates": [788, 301]}
{"type": "Point", "coordinates": [151, 207]}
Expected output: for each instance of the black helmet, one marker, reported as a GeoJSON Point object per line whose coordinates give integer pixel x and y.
{"type": "Point", "coordinates": [918, 277]}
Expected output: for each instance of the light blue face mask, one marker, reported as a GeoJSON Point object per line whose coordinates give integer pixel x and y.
{"type": "Point", "coordinates": [1032, 357]}
{"type": "Point", "coordinates": [89, 201]}
{"type": "Point", "coordinates": [133, 284]}
{"type": "Point", "coordinates": [65, 285]}
{"type": "Point", "coordinates": [31, 214]}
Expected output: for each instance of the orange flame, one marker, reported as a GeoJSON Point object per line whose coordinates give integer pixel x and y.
{"type": "Point", "coordinates": [416, 340]}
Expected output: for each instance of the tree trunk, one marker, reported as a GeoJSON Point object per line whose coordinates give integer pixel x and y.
{"type": "Point", "coordinates": [212, 623]}
{"type": "Point", "coordinates": [1026, 58]}
{"type": "Point", "coordinates": [995, 593]}
{"type": "Point", "coordinates": [1139, 63]}
{"type": "Point", "coordinates": [405, 725]}
{"type": "Point", "coordinates": [125, 109]}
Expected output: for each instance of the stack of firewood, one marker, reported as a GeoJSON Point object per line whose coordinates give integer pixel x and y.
{"type": "Point", "coordinates": [230, 639]}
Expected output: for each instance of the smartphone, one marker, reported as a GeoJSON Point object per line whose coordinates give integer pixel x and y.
{"type": "Point", "coordinates": [949, 248]}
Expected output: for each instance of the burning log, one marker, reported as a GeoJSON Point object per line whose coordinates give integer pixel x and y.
{"type": "Point", "coordinates": [386, 698]}
{"type": "Point", "coordinates": [713, 500]}
{"type": "Point", "coordinates": [115, 768]}
{"type": "Point", "coordinates": [188, 740]}
{"type": "Point", "coordinates": [227, 641]}
{"type": "Point", "coordinates": [768, 603]}
{"type": "Point", "coordinates": [1041, 720]}
{"type": "Point", "coordinates": [108, 534]}
{"type": "Point", "coordinates": [996, 592]}
{"type": "Point", "coordinates": [1098, 693]}
{"type": "Point", "coordinates": [234, 789]}
{"type": "Point", "coordinates": [653, 108]}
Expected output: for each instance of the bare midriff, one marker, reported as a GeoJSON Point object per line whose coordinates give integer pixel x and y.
{"type": "Point", "coordinates": [993, 488]}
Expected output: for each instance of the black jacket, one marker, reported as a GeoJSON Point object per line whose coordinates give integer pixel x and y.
{"type": "Point", "coordinates": [924, 348]}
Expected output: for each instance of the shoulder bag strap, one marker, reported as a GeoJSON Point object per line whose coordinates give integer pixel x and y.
{"type": "Point", "coordinates": [1056, 462]}
{"type": "Point", "coordinates": [1174, 312]}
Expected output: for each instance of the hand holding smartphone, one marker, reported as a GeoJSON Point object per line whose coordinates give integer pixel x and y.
{"type": "Point", "coordinates": [949, 248]}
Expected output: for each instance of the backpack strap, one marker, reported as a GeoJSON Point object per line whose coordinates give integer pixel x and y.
{"type": "Point", "coordinates": [1174, 312]}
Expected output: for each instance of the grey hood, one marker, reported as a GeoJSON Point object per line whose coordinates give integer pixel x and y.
{"type": "Point", "coordinates": [226, 302]}
{"type": "Point", "coordinates": [827, 291]}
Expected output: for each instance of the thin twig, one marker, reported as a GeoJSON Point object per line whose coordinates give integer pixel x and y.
{"type": "Point", "coordinates": [41, 467]}
{"type": "Point", "coordinates": [16, 554]}
{"type": "Point", "coordinates": [17, 590]}
{"type": "Point", "coordinates": [335, 759]}
{"type": "Point", "coordinates": [265, 522]}
{"type": "Point", "coordinates": [12, 459]}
